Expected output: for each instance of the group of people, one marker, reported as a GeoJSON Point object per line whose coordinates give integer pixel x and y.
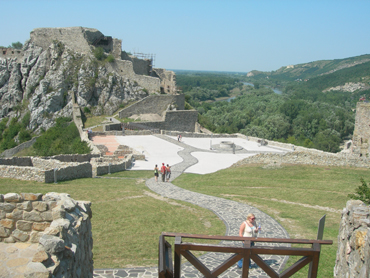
{"type": "Point", "coordinates": [165, 172]}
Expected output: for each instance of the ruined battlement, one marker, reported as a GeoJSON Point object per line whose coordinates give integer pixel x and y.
{"type": "Point", "coordinates": [80, 39]}
{"type": "Point", "coordinates": [11, 53]}
{"type": "Point", "coordinates": [361, 134]}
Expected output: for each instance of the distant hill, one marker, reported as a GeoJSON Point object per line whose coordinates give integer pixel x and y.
{"type": "Point", "coordinates": [309, 70]}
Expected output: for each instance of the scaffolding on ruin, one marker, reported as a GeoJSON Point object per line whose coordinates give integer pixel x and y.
{"type": "Point", "coordinates": [145, 56]}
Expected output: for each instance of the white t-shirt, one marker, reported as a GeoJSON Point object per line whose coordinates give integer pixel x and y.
{"type": "Point", "coordinates": [248, 231]}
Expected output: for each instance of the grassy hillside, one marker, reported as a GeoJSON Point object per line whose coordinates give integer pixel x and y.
{"type": "Point", "coordinates": [312, 69]}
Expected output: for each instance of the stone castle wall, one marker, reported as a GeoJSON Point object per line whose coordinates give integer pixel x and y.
{"type": "Point", "coordinates": [59, 225]}
{"type": "Point", "coordinates": [353, 253]}
{"type": "Point", "coordinates": [11, 53]}
{"type": "Point", "coordinates": [79, 39]}
{"type": "Point", "coordinates": [168, 80]}
{"type": "Point", "coordinates": [361, 134]}
{"type": "Point", "coordinates": [126, 69]}
{"type": "Point", "coordinates": [153, 105]}
{"type": "Point", "coordinates": [181, 120]}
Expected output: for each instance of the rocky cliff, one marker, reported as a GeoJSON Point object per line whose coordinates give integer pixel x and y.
{"type": "Point", "coordinates": [46, 79]}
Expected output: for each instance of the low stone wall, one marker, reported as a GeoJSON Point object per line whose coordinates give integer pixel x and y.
{"type": "Point", "coordinates": [17, 161]}
{"type": "Point", "coordinates": [69, 172]}
{"type": "Point", "coordinates": [113, 127]}
{"type": "Point", "coordinates": [22, 173]}
{"type": "Point", "coordinates": [72, 157]}
{"type": "Point", "coordinates": [353, 254]}
{"type": "Point", "coordinates": [198, 135]}
{"type": "Point", "coordinates": [306, 158]}
{"type": "Point", "coordinates": [103, 166]}
{"type": "Point", "coordinates": [52, 170]}
{"type": "Point", "coordinates": [59, 225]}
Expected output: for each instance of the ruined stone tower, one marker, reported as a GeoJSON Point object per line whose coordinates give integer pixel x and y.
{"type": "Point", "coordinates": [361, 134]}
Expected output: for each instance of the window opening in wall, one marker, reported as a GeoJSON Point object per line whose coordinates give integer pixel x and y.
{"type": "Point", "coordinates": [12, 52]}
{"type": "Point", "coordinates": [4, 52]}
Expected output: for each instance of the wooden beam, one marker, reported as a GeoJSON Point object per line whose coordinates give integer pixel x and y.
{"type": "Point", "coordinates": [295, 267]}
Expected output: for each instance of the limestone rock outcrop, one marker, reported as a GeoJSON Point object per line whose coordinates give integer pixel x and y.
{"type": "Point", "coordinates": [49, 76]}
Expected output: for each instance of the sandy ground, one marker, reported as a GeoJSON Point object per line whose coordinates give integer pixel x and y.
{"type": "Point", "coordinates": [158, 151]}
{"type": "Point", "coordinates": [147, 117]}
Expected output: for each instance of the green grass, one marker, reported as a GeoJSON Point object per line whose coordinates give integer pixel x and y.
{"type": "Point", "coordinates": [127, 217]}
{"type": "Point", "coordinates": [296, 196]}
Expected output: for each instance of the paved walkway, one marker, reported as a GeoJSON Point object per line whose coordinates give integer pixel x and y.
{"type": "Point", "coordinates": [232, 213]}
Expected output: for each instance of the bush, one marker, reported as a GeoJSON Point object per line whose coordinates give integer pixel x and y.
{"type": "Point", "coordinates": [87, 110]}
{"type": "Point", "coordinates": [110, 58]}
{"type": "Point", "coordinates": [24, 135]}
{"type": "Point", "coordinates": [362, 193]}
{"type": "Point", "coordinates": [99, 53]}
{"type": "Point", "coordinates": [26, 120]}
{"type": "Point", "coordinates": [63, 138]}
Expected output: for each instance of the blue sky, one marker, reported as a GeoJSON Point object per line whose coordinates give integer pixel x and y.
{"type": "Point", "coordinates": [213, 35]}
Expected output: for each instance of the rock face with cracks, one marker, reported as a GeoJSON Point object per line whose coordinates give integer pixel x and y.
{"type": "Point", "coordinates": [47, 78]}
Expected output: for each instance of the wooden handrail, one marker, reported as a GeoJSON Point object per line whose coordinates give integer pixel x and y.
{"type": "Point", "coordinates": [254, 239]}
{"type": "Point", "coordinates": [248, 251]}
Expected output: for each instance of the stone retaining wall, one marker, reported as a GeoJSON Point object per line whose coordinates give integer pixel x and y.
{"type": "Point", "coordinates": [353, 254]}
{"type": "Point", "coordinates": [72, 157]}
{"type": "Point", "coordinates": [181, 120]}
{"type": "Point", "coordinates": [53, 170]}
{"type": "Point", "coordinates": [306, 158]}
{"type": "Point", "coordinates": [104, 165]}
{"type": "Point", "coordinates": [155, 104]}
{"type": "Point", "coordinates": [17, 161]}
{"type": "Point", "coordinates": [22, 173]}
{"type": "Point", "coordinates": [60, 225]}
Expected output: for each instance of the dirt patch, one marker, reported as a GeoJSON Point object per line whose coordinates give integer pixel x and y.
{"type": "Point", "coordinates": [147, 117]}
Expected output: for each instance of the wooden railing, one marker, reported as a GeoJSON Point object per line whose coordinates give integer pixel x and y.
{"type": "Point", "coordinates": [310, 255]}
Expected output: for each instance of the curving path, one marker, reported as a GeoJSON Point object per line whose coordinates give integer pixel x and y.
{"type": "Point", "coordinates": [231, 212]}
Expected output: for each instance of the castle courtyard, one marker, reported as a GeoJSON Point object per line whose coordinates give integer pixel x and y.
{"type": "Point", "coordinates": [158, 150]}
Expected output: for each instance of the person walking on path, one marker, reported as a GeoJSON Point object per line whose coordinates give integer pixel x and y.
{"type": "Point", "coordinates": [163, 172]}
{"type": "Point", "coordinates": [156, 172]}
{"type": "Point", "coordinates": [248, 229]}
{"type": "Point", "coordinates": [168, 173]}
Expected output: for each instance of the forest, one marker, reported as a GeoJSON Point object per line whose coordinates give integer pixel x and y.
{"type": "Point", "coordinates": [302, 114]}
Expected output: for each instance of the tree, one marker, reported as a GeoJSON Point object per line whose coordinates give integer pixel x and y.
{"type": "Point", "coordinates": [17, 45]}
{"type": "Point", "coordinates": [362, 193]}
{"type": "Point", "coordinates": [327, 140]}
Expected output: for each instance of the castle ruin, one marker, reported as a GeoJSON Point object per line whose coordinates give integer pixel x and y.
{"type": "Point", "coordinates": [84, 40]}
{"type": "Point", "coordinates": [361, 134]}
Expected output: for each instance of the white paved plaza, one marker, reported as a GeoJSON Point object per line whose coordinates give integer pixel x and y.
{"type": "Point", "coordinates": [158, 151]}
